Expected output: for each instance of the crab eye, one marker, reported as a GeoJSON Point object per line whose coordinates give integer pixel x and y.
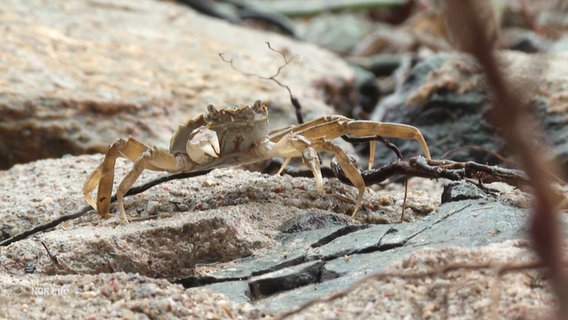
{"type": "Point", "coordinates": [211, 108]}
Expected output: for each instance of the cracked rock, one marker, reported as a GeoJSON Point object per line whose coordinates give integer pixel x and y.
{"type": "Point", "coordinates": [315, 220]}
{"type": "Point", "coordinates": [461, 190]}
{"type": "Point", "coordinates": [285, 279]}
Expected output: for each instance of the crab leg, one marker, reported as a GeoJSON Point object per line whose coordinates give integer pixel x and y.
{"type": "Point", "coordinates": [283, 166]}
{"type": "Point", "coordinates": [372, 148]}
{"type": "Point", "coordinates": [277, 135]}
{"type": "Point", "coordinates": [320, 131]}
{"type": "Point", "coordinates": [151, 158]}
{"type": "Point", "coordinates": [331, 127]}
{"type": "Point", "coordinates": [103, 176]}
{"type": "Point", "coordinates": [294, 145]}
{"type": "Point", "coordinates": [387, 129]}
{"type": "Point", "coordinates": [351, 172]}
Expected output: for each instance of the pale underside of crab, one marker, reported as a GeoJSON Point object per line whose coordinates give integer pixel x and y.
{"type": "Point", "coordinates": [235, 136]}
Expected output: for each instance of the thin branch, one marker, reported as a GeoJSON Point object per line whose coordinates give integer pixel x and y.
{"type": "Point", "coordinates": [404, 200]}
{"type": "Point", "coordinates": [438, 169]}
{"type": "Point", "coordinates": [45, 226]}
{"type": "Point", "coordinates": [295, 102]}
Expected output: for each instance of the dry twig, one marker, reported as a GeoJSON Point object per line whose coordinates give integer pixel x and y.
{"type": "Point", "coordinates": [295, 102]}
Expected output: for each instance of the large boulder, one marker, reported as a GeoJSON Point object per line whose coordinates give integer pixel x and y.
{"type": "Point", "coordinates": [77, 75]}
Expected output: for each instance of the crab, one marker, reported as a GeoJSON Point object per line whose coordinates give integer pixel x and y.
{"type": "Point", "coordinates": [239, 135]}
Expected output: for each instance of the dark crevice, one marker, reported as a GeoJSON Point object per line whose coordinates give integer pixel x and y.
{"type": "Point", "coordinates": [378, 247]}
{"type": "Point", "coordinates": [369, 249]}
{"type": "Point", "coordinates": [199, 281]}
{"type": "Point", "coordinates": [446, 216]}
{"type": "Point", "coordinates": [270, 286]}
{"type": "Point", "coordinates": [285, 264]}
{"type": "Point", "coordinates": [261, 288]}
{"type": "Point", "coordinates": [373, 248]}
{"type": "Point", "coordinates": [326, 275]}
{"type": "Point", "coordinates": [339, 233]}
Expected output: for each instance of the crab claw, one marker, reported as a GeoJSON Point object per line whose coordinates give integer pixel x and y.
{"type": "Point", "coordinates": [202, 144]}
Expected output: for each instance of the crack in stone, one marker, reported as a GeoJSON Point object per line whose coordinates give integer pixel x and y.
{"type": "Point", "coordinates": [283, 265]}
{"type": "Point", "coordinates": [285, 280]}
{"type": "Point", "coordinates": [337, 234]}
{"type": "Point", "coordinates": [313, 261]}
{"type": "Point", "coordinates": [199, 281]}
{"type": "Point", "coordinates": [265, 286]}
{"type": "Point", "coordinates": [380, 246]}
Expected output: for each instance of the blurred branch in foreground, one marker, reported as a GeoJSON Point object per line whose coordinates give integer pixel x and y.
{"type": "Point", "coordinates": [473, 29]}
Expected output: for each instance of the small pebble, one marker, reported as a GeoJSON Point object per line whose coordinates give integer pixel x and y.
{"type": "Point", "coordinates": [47, 201]}
{"type": "Point", "coordinates": [152, 207]}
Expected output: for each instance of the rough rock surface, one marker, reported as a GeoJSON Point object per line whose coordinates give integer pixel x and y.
{"type": "Point", "coordinates": [117, 295]}
{"type": "Point", "coordinates": [447, 98]}
{"type": "Point", "coordinates": [77, 75]}
{"type": "Point", "coordinates": [267, 243]}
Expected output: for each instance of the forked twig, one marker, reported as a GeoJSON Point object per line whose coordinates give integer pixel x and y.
{"type": "Point", "coordinates": [440, 169]}
{"type": "Point", "coordinates": [295, 102]}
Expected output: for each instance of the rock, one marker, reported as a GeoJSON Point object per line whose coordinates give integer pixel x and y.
{"type": "Point", "coordinates": [113, 295]}
{"type": "Point", "coordinates": [235, 247]}
{"type": "Point", "coordinates": [525, 41]}
{"type": "Point", "coordinates": [368, 240]}
{"type": "Point", "coordinates": [471, 223]}
{"type": "Point", "coordinates": [285, 279]}
{"type": "Point", "coordinates": [459, 190]}
{"type": "Point", "coordinates": [447, 98]}
{"type": "Point", "coordinates": [434, 106]}
{"type": "Point", "coordinates": [349, 256]}
{"type": "Point", "coordinates": [414, 288]}
{"type": "Point", "coordinates": [312, 221]}
{"type": "Point", "coordinates": [237, 291]}
{"type": "Point", "coordinates": [77, 76]}
{"type": "Point", "coordinates": [337, 32]}
{"type": "Point", "coordinates": [463, 224]}
{"type": "Point", "coordinates": [379, 64]}
{"type": "Point", "coordinates": [560, 45]}
{"type": "Point", "coordinates": [169, 248]}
